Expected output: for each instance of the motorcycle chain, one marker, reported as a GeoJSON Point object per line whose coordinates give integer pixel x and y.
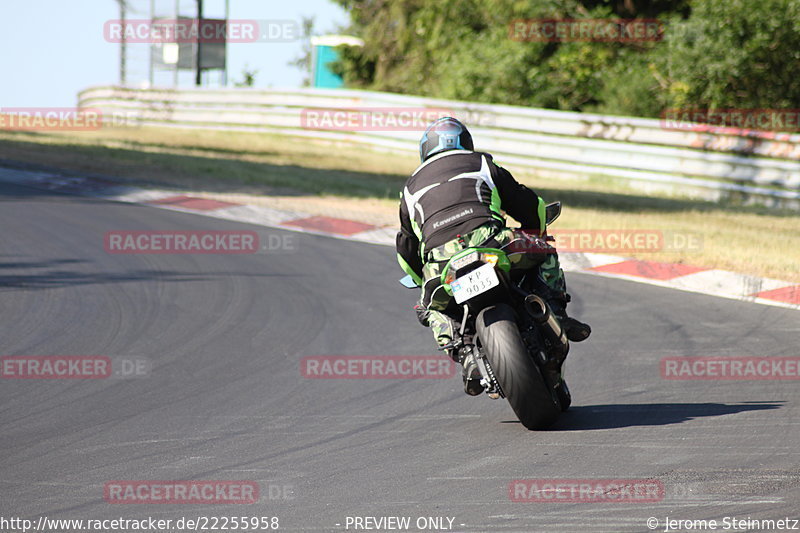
{"type": "Point", "coordinates": [493, 378]}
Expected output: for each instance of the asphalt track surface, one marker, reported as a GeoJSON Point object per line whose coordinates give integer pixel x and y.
{"type": "Point", "coordinates": [224, 398]}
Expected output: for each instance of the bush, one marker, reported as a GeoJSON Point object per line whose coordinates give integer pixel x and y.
{"type": "Point", "coordinates": [732, 53]}
{"type": "Point", "coordinates": [715, 54]}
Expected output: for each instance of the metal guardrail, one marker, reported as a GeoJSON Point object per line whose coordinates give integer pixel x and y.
{"type": "Point", "coordinates": [725, 163]}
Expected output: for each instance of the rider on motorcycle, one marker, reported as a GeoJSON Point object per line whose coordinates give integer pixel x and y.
{"type": "Point", "coordinates": [454, 200]}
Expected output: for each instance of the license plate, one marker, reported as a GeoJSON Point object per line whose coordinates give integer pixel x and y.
{"type": "Point", "coordinates": [476, 282]}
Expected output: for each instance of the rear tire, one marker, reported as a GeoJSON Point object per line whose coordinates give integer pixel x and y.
{"type": "Point", "coordinates": [518, 376]}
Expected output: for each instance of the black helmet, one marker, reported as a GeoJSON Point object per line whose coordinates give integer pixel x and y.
{"type": "Point", "coordinates": [444, 134]}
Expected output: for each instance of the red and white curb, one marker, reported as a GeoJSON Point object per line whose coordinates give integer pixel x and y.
{"type": "Point", "coordinates": [671, 275]}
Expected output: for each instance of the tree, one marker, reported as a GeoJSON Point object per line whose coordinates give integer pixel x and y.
{"type": "Point", "coordinates": [732, 54]}
{"type": "Point", "coordinates": [715, 53]}
{"type": "Point", "coordinates": [303, 61]}
{"type": "Point", "coordinates": [248, 78]}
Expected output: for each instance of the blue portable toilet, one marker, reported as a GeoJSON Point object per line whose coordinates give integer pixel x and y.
{"type": "Point", "coordinates": [324, 52]}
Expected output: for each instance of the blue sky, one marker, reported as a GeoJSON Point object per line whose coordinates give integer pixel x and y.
{"type": "Point", "coordinates": [51, 49]}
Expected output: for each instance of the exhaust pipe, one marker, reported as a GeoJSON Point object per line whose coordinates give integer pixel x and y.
{"type": "Point", "coordinates": [549, 325]}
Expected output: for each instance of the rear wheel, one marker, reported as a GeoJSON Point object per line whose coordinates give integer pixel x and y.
{"type": "Point", "coordinates": [516, 373]}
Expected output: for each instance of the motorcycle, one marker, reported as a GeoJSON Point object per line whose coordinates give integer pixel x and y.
{"type": "Point", "coordinates": [517, 342]}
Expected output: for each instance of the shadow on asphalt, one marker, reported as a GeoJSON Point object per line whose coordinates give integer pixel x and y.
{"type": "Point", "coordinates": [56, 273]}
{"type": "Point", "coordinates": [615, 416]}
{"type": "Point", "coordinates": [586, 417]}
